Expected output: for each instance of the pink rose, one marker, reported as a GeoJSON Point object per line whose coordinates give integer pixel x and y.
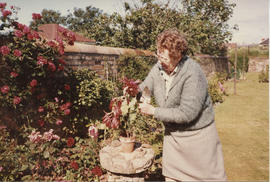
{"type": "Point", "coordinates": [93, 131]}
{"type": "Point", "coordinates": [67, 111]}
{"type": "Point", "coordinates": [17, 53]}
{"type": "Point", "coordinates": [4, 89]}
{"type": "Point", "coordinates": [33, 83]}
{"type": "Point", "coordinates": [5, 50]}
{"type": "Point", "coordinates": [36, 16]}
{"type": "Point", "coordinates": [51, 66]}
{"type": "Point", "coordinates": [6, 13]}
{"type": "Point", "coordinates": [59, 122]}
{"type": "Point", "coordinates": [41, 109]}
{"type": "Point", "coordinates": [14, 74]}
{"type": "Point", "coordinates": [3, 5]}
{"type": "Point", "coordinates": [18, 33]}
{"type": "Point", "coordinates": [16, 100]}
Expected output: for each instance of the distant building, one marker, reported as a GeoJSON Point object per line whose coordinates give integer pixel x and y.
{"type": "Point", "coordinates": [264, 43]}
{"type": "Point", "coordinates": [51, 32]}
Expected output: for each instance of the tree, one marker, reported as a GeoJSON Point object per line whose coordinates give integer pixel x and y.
{"type": "Point", "coordinates": [48, 17]}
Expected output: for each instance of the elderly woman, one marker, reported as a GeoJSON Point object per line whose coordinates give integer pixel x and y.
{"type": "Point", "coordinates": [191, 149]}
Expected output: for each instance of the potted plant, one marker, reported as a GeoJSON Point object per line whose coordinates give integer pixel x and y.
{"type": "Point", "coordinates": [123, 114]}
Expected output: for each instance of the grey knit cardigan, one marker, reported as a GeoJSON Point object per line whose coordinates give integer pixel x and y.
{"type": "Point", "coordinates": [188, 105]}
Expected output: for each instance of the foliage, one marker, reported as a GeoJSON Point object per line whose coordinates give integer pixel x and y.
{"type": "Point", "coordinates": [136, 67]}
{"type": "Point", "coordinates": [242, 61]}
{"type": "Point", "coordinates": [47, 157]}
{"type": "Point", "coordinates": [203, 22]}
{"type": "Point", "coordinates": [216, 87]}
{"type": "Point", "coordinates": [264, 75]}
{"type": "Point", "coordinates": [48, 17]}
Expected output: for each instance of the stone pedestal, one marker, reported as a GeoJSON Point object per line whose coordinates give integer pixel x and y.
{"type": "Point", "coordinates": [126, 166]}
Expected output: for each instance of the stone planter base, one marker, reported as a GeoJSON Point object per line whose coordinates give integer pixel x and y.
{"type": "Point", "coordinates": [116, 177]}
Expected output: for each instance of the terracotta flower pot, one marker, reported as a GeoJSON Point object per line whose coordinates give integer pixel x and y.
{"type": "Point", "coordinates": [127, 144]}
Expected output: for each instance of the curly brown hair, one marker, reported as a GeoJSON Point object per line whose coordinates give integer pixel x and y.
{"type": "Point", "coordinates": [174, 42]}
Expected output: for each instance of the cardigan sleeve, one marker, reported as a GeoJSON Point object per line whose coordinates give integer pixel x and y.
{"type": "Point", "coordinates": [193, 96]}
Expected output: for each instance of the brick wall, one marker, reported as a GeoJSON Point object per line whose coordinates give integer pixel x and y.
{"type": "Point", "coordinates": [103, 59]}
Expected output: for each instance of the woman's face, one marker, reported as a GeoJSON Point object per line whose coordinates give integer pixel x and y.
{"type": "Point", "coordinates": [167, 63]}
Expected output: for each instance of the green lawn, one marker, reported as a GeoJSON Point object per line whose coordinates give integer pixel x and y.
{"type": "Point", "coordinates": [243, 126]}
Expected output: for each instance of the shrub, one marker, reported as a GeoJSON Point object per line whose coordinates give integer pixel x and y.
{"type": "Point", "coordinates": [216, 88]}
{"type": "Point", "coordinates": [135, 67]}
{"type": "Point", "coordinates": [264, 75]}
{"type": "Point", "coordinates": [46, 156]}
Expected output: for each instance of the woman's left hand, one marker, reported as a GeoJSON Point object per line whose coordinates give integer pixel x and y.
{"type": "Point", "coordinates": [146, 108]}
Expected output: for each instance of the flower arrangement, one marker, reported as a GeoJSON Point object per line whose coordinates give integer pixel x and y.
{"type": "Point", "coordinates": [124, 109]}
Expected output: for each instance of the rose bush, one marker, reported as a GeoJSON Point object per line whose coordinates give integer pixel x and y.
{"type": "Point", "coordinates": [46, 107]}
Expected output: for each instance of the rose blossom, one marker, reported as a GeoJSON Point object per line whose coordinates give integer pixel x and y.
{"type": "Point", "coordinates": [14, 74]}
{"type": "Point", "coordinates": [35, 137]}
{"type": "Point", "coordinates": [74, 165]}
{"type": "Point", "coordinates": [41, 123]}
{"type": "Point", "coordinates": [51, 66]}
{"type": "Point", "coordinates": [67, 111]}
{"type": "Point", "coordinates": [41, 61]}
{"type": "Point", "coordinates": [41, 109]}
{"type": "Point", "coordinates": [18, 33]}
{"type": "Point", "coordinates": [16, 100]}
{"type": "Point", "coordinates": [36, 16]}
{"type": "Point", "coordinates": [59, 122]}
{"type": "Point", "coordinates": [3, 5]}
{"type": "Point", "coordinates": [93, 131]}
{"type": "Point", "coordinates": [4, 89]}
{"type": "Point", "coordinates": [17, 53]}
{"type": "Point", "coordinates": [6, 13]}
{"type": "Point", "coordinates": [5, 50]}
{"type": "Point", "coordinates": [30, 36]}
{"type": "Point", "coordinates": [67, 87]}
{"type": "Point", "coordinates": [33, 83]}
{"type": "Point", "coordinates": [70, 141]}
{"type": "Point", "coordinates": [97, 171]}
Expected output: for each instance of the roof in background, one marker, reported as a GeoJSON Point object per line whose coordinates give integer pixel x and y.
{"type": "Point", "coordinates": [51, 32]}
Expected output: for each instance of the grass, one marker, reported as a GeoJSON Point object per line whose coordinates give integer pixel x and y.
{"type": "Point", "coordinates": [243, 126]}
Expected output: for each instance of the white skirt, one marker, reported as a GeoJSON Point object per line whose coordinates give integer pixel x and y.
{"type": "Point", "coordinates": [193, 155]}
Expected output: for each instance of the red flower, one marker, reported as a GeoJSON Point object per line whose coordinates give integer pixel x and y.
{"type": "Point", "coordinates": [130, 86]}
{"type": "Point", "coordinates": [5, 50]}
{"type": "Point", "coordinates": [74, 165]}
{"type": "Point", "coordinates": [67, 111]}
{"type": "Point", "coordinates": [60, 68]}
{"type": "Point", "coordinates": [30, 36]}
{"type": "Point", "coordinates": [41, 123]}
{"type": "Point", "coordinates": [18, 33]}
{"type": "Point", "coordinates": [41, 61]}
{"type": "Point", "coordinates": [51, 66]}
{"type": "Point", "coordinates": [41, 109]}
{"type": "Point", "coordinates": [20, 26]}
{"type": "Point", "coordinates": [97, 171]}
{"type": "Point", "coordinates": [70, 141]}
{"type": "Point", "coordinates": [26, 29]}
{"type": "Point", "coordinates": [14, 74]}
{"type": "Point", "coordinates": [65, 106]}
{"type": "Point", "coordinates": [61, 61]}
{"type": "Point", "coordinates": [35, 35]}
{"type": "Point", "coordinates": [6, 13]}
{"type": "Point", "coordinates": [36, 16]}
{"type": "Point", "coordinates": [59, 122]}
{"type": "Point", "coordinates": [67, 87]}
{"type": "Point", "coordinates": [3, 5]}
{"type": "Point", "coordinates": [16, 100]}
{"type": "Point", "coordinates": [4, 89]}
{"type": "Point", "coordinates": [17, 53]}
{"type": "Point", "coordinates": [33, 83]}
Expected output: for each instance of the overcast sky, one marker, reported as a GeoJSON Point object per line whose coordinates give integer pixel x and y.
{"type": "Point", "coordinates": [251, 16]}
